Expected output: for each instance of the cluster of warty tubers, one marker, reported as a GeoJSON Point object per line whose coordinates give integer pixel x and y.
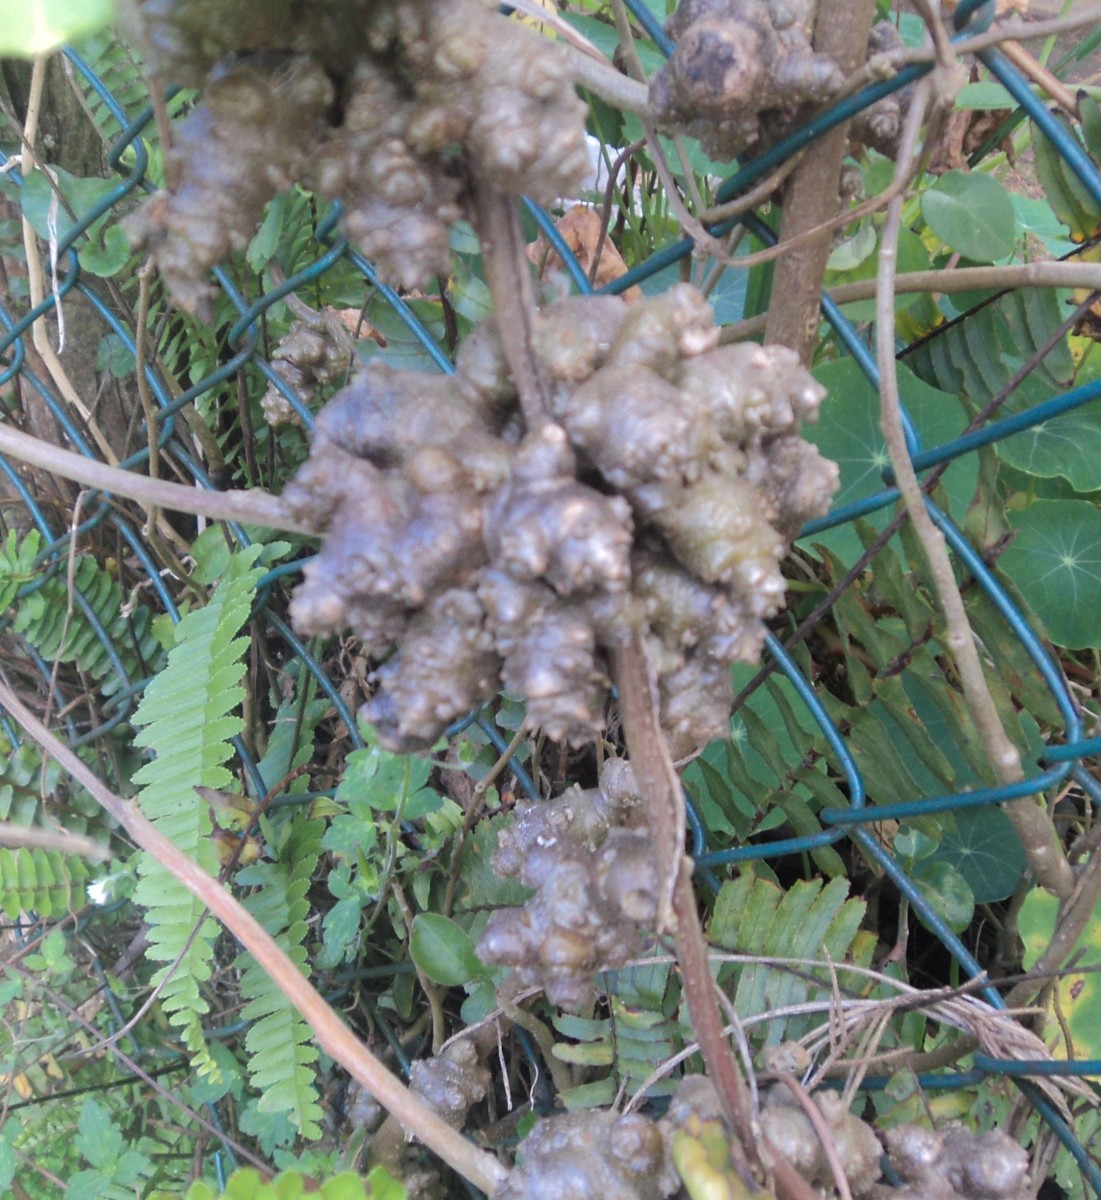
{"type": "Point", "coordinates": [659, 500]}
{"type": "Point", "coordinates": [362, 101]}
{"type": "Point", "coordinates": [743, 74]}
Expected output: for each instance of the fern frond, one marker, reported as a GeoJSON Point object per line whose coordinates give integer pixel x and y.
{"type": "Point", "coordinates": [755, 916]}
{"type": "Point", "coordinates": [43, 881]}
{"type": "Point", "coordinates": [92, 628]}
{"type": "Point", "coordinates": [633, 1042]}
{"type": "Point", "coordinates": [186, 717]}
{"type": "Point", "coordinates": [281, 1055]}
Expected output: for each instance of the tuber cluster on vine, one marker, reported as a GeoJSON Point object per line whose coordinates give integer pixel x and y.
{"type": "Point", "coordinates": [659, 499]}
{"type": "Point", "coordinates": [744, 73]}
{"type": "Point", "coordinates": [362, 101]}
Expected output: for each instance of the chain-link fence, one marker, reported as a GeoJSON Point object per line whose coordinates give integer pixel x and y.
{"type": "Point", "coordinates": [239, 363]}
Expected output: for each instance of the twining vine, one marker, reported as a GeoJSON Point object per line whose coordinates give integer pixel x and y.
{"type": "Point", "coordinates": [597, 501]}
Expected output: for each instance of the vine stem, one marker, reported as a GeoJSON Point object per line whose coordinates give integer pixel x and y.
{"type": "Point", "coordinates": [334, 1037]}
{"type": "Point", "coordinates": [497, 220]}
{"type": "Point", "coordinates": [840, 32]}
{"type": "Point", "coordinates": [663, 802]}
{"type": "Point", "coordinates": [1034, 827]}
{"type": "Point", "coordinates": [949, 282]}
{"type": "Point", "coordinates": [252, 506]}
{"type": "Point", "coordinates": [509, 280]}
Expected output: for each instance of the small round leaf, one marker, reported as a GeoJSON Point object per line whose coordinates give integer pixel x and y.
{"type": "Point", "coordinates": [947, 892]}
{"type": "Point", "coordinates": [973, 214]}
{"type": "Point", "coordinates": [985, 849]}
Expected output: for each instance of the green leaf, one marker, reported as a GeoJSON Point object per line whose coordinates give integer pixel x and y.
{"type": "Point", "coordinates": [107, 250]}
{"type": "Point", "coordinates": [43, 207]}
{"type": "Point", "coordinates": [185, 715]}
{"type": "Point", "coordinates": [99, 1141]}
{"type": "Point", "coordinates": [973, 214]}
{"type": "Point", "coordinates": [7, 1164]}
{"type": "Point", "coordinates": [444, 951]}
{"type": "Point", "coordinates": [383, 1185]}
{"type": "Point", "coordinates": [984, 95]}
{"type": "Point", "coordinates": [852, 251]}
{"type": "Point", "coordinates": [985, 849]}
{"type": "Point", "coordinates": [1067, 445]}
{"type": "Point", "coordinates": [1079, 990]}
{"type": "Point", "coordinates": [754, 916]}
{"type": "Point", "coordinates": [1074, 205]}
{"type": "Point", "coordinates": [32, 27]}
{"type": "Point", "coordinates": [1090, 112]}
{"type": "Point", "coordinates": [947, 892]}
{"type": "Point", "coordinates": [848, 432]}
{"type": "Point", "coordinates": [1055, 561]}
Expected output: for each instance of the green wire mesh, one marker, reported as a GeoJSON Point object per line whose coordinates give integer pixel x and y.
{"type": "Point", "coordinates": [242, 356]}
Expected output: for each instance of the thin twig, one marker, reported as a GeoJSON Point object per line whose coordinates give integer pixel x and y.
{"type": "Point", "coordinates": [252, 506]}
{"type": "Point", "coordinates": [35, 277]}
{"type": "Point", "coordinates": [1033, 825]}
{"type": "Point", "coordinates": [962, 279]}
{"type": "Point", "coordinates": [825, 1135]}
{"type": "Point", "coordinates": [334, 1037]}
{"type": "Point", "coordinates": [1042, 77]}
{"type": "Point", "coordinates": [26, 837]}
{"type": "Point", "coordinates": [604, 81]}
{"type": "Point", "coordinates": [530, 1023]}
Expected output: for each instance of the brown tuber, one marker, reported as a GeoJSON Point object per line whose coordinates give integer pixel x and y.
{"type": "Point", "coordinates": [593, 872]}
{"type": "Point", "coordinates": [662, 503]}
{"type": "Point", "coordinates": [592, 1156]}
{"type": "Point", "coordinates": [744, 73]}
{"type": "Point", "coordinates": [364, 101]}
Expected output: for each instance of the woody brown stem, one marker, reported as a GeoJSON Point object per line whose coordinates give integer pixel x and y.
{"type": "Point", "coordinates": [497, 220]}
{"type": "Point", "coordinates": [841, 32]}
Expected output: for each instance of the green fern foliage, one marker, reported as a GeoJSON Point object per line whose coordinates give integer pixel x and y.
{"type": "Point", "coordinates": [89, 627]}
{"type": "Point", "coordinates": [281, 1054]}
{"type": "Point", "coordinates": [45, 882]}
{"type": "Point", "coordinates": [186, 714]}
{"type": "Point", "coordinates": [248, 1184]}
{"type": "Point", "coordinates": [632, 1042]}
{"type": "Point", "coordinates": [808, 922]}
{"type": "Point", "coordinates": [17, 565]}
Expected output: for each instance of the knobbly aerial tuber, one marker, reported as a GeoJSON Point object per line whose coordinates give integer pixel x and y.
{"type": "Point", "coordinates": [538, 533]}
{"type": "Point", "coordinates": [744, 74]}
{"type": "Point", "coordinates": [592, 1156]}
{"type": "Point", "coordinates": [662, 503]}
{"type": "Point", "coordinates": [368, 102]}
{"type": "Point", "coordinates": [956, 1163]}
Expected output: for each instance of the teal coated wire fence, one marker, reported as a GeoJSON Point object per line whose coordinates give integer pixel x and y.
{"type": "Point", "coordinates": [239, 361]}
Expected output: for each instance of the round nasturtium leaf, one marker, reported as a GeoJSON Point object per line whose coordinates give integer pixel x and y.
{"type": "Point", "coordinates": [32, 27]}
{"type": "Point", "coordinates": [1055, 561]}
{"type": "Point", "coordinates": [1068, 445]}
{"type": "Point", "coordinates": [973, 214]}
{"type": "Point", "coordinates": [985, 849]}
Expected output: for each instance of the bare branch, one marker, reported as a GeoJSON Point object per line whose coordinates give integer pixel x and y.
{"type": "Point", "coordinates": [334, 1037]}
{"type": "Point", "coordinates": [1034, 826]}
{"type": "Point", "coordinates": [23, 837]}
{"type": "Point", "coordinates": [254, 507]}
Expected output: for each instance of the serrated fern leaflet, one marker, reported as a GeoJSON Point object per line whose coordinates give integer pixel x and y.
{"type": "Point", "coordinates": [186, 714]}
{"type": "Point", "coordinates": [281, 1055]}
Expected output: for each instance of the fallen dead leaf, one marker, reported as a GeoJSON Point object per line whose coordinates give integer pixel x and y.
{"type": "Point", "coordinates": [580, 230]}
